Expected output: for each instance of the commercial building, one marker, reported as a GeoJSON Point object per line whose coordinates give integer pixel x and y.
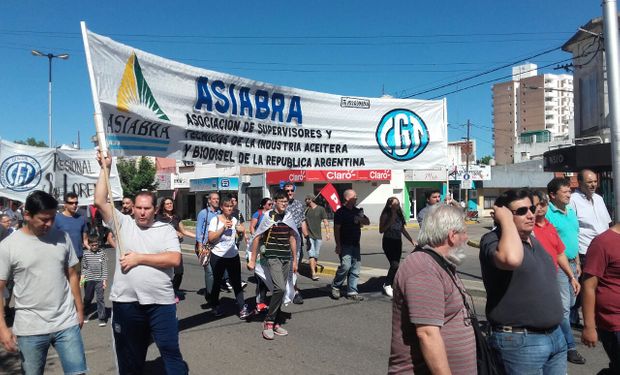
{"type": "Point", "coordinates": [592, 148]}
{"type": "Point", "coordinates": [532, 104]}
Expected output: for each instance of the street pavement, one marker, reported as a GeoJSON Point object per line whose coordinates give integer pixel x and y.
{"type": "Point", "coordinates": [326, 336]}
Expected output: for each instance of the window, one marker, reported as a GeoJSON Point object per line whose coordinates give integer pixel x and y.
{"type": "Point", "coordinates": [489, 201]}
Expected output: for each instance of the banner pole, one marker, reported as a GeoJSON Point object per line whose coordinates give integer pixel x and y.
{"type": "Point", "coordinates": [101, 140]}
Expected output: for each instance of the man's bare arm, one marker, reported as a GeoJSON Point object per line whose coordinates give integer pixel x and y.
{"type": "Point", "coordinates": [433, 349]}
{"type": "Point", "coordinates": [166, 259]}
{"type": "Point", "coordinates": [101, 189]}
{"type": "Point", "coordinates": [7, 337]}
{"type": "Point", "coordinates": [74, 283]}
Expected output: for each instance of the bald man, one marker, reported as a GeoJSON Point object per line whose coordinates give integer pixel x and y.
{"type": "Point", "coordinates": [348, 222]}
{"type": "Point", "coordinates": [590, 208]}
{"type": "Point", "coordinates": [593, 220]}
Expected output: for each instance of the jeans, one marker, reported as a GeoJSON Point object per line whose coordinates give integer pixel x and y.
{"type": "Point", "coordinates": [261, 291]}
{"type": "Point", "coordinates": [92, 288]}
{"type": "Point", "coordinates": [133, 326]}
{"type": "Point", "coordinates": [208, 280]}
{"type": "Point", "coordinates": [531, 353]}
{"type": "Point", "coordinates": [68, 344]}
{"type": "Point", "coordinates": [350, 264]}
{"type": "Point", "coordinates": [611, 344]}
{"type": "Point", "coordinates": [574, 311]}
{"type": "Point", "coordinates": [233, 265]}
{"type": "Point", "coordinates": [279, 270]}
{"type": "Point", "coordinates": [314, 247]}
{"type": "Point", "coordinates": [568, 299]}
{"type": "Point", "coordinates": [392, 248]}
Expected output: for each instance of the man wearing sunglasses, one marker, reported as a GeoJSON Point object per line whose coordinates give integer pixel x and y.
{"type": "Point", "coordinates": [523, 306]}
{"type": "Point", "coordinates": [564, 219]}
{"type": "Point", "coordinates": [70, 221]}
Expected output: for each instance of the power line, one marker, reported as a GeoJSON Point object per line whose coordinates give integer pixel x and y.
{"type": "Point", "coordinates": [279, 36]}
{"type": "Point", "coordinates": [495, 80]}
{"type": "Point", "coordinates": [482, 73]}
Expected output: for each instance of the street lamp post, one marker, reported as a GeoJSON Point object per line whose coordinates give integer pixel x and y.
{"type": "Point", "coordinates": [50, 56]}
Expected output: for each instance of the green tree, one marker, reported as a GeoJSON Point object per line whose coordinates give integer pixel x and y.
{"type": "Point", "coordinates": [485, 160]}
{"type": "Point", "coordinates": [136, 175]}
{"type": "Point", "coordinates": [31, 141]}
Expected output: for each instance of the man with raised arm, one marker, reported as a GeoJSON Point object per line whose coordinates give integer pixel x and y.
{"type": "Point", "coordinates": [142, 297]}
{"type": "Point", "coordinates": [523, 306]}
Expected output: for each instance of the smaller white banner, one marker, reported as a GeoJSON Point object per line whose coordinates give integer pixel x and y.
{"type": "Point", "coordinates": [77, 171]}
{"type": "Point", "coordinates": [24, 169]}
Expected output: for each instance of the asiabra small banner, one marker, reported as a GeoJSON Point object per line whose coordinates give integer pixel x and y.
{"type": "Point", "coordinates": [159, 107]}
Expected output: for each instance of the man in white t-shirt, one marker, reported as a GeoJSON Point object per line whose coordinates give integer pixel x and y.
{"type": "Point", "coordinates": [593, 220]}
{"type": "Point", "coordinates": [48, 305]}
{"type": "Point", "coordinates": [142, 295]}
{"type": "Point", "coordinates": [590, 208]}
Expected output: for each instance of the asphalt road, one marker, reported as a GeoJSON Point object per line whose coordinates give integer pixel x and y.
{"type": "Point", "coordinates": [326, 336]}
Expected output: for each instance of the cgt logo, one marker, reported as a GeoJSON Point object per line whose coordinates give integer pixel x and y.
{"type": "Point", "coordinates": [402, 135]}
{"type": "Point", "coordinates": [20, 173]}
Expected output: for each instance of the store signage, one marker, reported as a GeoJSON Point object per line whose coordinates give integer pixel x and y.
{"type": "Point", "coordinates": [425, 175]}
{"type": "Point", "coordinates": [214, 183]}
{"type": "Point", "coordinates": [475, 172]}
{"type": "Point", "coordinates": [274, 178]}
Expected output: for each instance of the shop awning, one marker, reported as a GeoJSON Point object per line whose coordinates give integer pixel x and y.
{"type": "Point", "coordinates": [294, 175]}
{"type": "Point", "coordinates": [575, 158]}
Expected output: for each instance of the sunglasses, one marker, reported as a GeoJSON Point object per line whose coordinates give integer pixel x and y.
{"type": "Point", "coordinates": [523, 210]}
{"type": "Point", "coordinates": [289, 190]}
{"type": "Point", "coordinates": [72, 203]}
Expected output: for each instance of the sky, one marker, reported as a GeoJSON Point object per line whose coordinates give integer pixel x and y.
{"type": "Point", "coordinates": [354, 48]}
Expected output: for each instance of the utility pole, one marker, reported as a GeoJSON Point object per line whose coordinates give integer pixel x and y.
{"type": "Point", "coordinates": [468, 152]}
{"type": "Point", "coordinates": [610, 33]}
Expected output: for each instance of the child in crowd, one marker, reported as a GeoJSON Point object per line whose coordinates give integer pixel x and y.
{"type": "Point", "coordinates": [94, 277]}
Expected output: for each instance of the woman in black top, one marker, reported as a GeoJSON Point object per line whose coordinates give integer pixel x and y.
{"type": "Point", "coordinates": [392, 225]}
{"type": "Point", "coordinates": [166, 214]}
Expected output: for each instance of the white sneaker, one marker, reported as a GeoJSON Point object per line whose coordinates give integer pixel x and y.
{"type": "Point", "coordinates": [387, 289]}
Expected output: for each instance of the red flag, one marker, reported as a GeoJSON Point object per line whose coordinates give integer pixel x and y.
{"type": "Point", "coordinates": [331, 196]}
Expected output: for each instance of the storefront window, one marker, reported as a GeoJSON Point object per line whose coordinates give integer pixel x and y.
{"type": "Point", "coordinates": [488, 202]}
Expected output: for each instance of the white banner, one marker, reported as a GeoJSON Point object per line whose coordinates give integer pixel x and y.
{"type": "Point", "coordinates": [154, 106]}
{"type": "Point", "coordinates": [24, 169]}
{"type": "Point", "coordinates": [78, 171]}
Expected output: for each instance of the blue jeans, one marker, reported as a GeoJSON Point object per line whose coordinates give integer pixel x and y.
{"type": "Point", "coordinates": [568, 300]}
{"type": "Point", "coordinates": [314, 247]}
{"type": "Point", "coordinates": [208, 281]}
{"type": "Point", "coordinates": [68, 343]}
{"type": "Point", "coordinates": [134, 324]}
{"type": "Point", "coordinates": [531, 353]}
{"type": "Point", "coordinates": [350, 264]}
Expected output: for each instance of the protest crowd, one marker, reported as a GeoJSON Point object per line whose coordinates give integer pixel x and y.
{"type": "Point", "coordinates": [548, 266]}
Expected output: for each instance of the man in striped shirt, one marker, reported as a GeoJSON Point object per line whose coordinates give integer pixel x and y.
{"type": "Point", "coordinates": [431, 333]}
{"type": "Point", "coordinates": [278, 236]}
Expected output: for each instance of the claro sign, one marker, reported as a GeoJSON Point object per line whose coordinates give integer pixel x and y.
{"type": "Point", "coordinates": [274, 178]}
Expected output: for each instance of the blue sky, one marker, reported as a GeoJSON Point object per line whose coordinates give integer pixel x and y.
{"type": "Point", "coordinates": [358, 48]}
